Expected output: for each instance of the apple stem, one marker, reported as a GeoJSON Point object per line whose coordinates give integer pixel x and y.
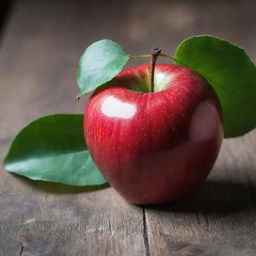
{"type": "Point", "coordinates": [155, 53]}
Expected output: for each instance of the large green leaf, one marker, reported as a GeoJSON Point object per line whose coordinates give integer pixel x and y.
{"type": "Point", "coordinates": [52, 148]}
{"type": "Point", "coordinates": [231, 73]}
{"type": "Point", "coordinates": [99, 63]}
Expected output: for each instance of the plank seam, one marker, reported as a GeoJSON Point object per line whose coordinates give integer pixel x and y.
{"type": "Point", "coordinates": [145, 232]}
{"type": "Point", "coordinates": [21, 250]}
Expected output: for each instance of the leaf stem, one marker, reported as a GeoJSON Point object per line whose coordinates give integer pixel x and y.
{"type": "Point", "coordinates": [173, 59]}
{"type": "Point", "coordinates": [140, 56]}
{"type": "Point", "coordinates": [161, 54]}
{"type": "Point", "coordinates": [155, 53]}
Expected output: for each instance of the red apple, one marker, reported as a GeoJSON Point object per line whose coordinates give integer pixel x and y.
{"type": "Point", "coordinates": [154, 147]}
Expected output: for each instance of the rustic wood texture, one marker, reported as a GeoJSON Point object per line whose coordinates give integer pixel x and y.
{"type": "Point", "coordinates": [39, 50]}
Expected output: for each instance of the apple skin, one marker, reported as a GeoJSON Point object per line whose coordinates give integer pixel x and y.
{"type": "Point", "coordinates": [154, 148]}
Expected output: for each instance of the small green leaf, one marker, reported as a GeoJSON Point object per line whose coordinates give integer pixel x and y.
{"type": "Point", "coordinates": [52, 148]}
{"type": "Point", "coordinates": [232, 75]}
{"type": "Point", "coordinates": [99, 63]}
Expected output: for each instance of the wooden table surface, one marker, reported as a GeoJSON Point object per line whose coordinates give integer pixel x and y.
{"type": "Point", "coordinates": [40, 44]}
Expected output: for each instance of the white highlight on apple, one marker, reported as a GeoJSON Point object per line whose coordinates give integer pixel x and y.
{"type": "Point", "coordinates": [162, 80]}
{"type": "Point", "coordinates": [204, 122]}
{"type": "Point", "coordinates": [114, 107]}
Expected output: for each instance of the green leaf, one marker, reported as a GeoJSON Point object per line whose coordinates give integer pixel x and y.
{"type": "Point", "coordinates": [99, 63]}
{"type": "Point", "coordinates": [232, 75]}
{"type": "Point", "coordinates": [52, 148]}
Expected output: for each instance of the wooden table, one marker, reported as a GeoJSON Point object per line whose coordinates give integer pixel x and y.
{"type": "Point", "coordinates": [41, 42]}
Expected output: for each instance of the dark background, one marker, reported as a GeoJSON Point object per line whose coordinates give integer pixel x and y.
{"type": "Point", "coordinates": [45, 39]}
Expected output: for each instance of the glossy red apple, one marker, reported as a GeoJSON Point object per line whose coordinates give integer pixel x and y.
{"type": "Point", "coordinates": [154, 147]}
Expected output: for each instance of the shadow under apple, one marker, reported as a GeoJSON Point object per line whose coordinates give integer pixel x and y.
{"type": "Point", "coordinates": [215, 197]}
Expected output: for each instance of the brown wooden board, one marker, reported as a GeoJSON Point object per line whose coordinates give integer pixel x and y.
{"type": "Point", "coordinates": [39, 51]}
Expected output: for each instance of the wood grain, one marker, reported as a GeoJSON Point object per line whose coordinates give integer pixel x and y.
{"type": "Point", "coordinates": [65, 224]}
{"type": "Point", "coordinates": [38, 56]}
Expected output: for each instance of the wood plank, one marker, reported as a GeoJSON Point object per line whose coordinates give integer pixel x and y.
{"type": "Point", "coordinates": [38, 58]}
{"type": "Point", "coordinates": [220, 218]}
{"type": "Point", "coordinates": [64, 224]}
